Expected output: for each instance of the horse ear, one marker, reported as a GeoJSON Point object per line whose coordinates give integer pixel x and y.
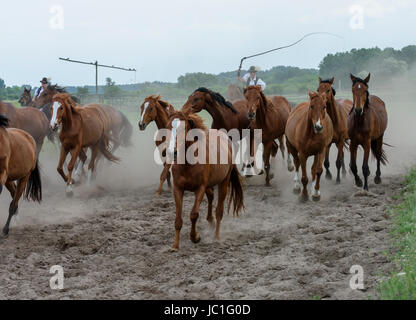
{"type": "Point", "coordinates": [352, 77]}
{"type": "Point", "coordinates": [332, 80]}
{"type": "Point", "coordinates": [368, 78]}
{"type": "Point", "coordinates": [320, 80]}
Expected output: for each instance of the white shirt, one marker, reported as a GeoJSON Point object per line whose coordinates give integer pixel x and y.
{"type": "Point", "coordinates": [38, 92]}
{"type": "Point", "coordinates": [252, 81]}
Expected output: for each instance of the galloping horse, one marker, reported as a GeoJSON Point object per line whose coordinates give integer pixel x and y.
{"type": "Point", "coordinates": [234, 93]}
{"type": "Point", "coordinates": [81, 127]}
{"type": "Point", "coordinates": [367, 123]}
{"type": "Point", "coordinates": [269, 115]}
{"type": "Point", "coordinates": [200, 176]}
{"type": "Point", "coordinates": [18, 162]}
{"type": "Point", "coordinates": [338, 111]}
{"type": "Point", "coordinates": [30, 120]}
{"type": "Point", "coordinates": [308, 133]}
{"type": "Point", "coordinates": [155, 109]}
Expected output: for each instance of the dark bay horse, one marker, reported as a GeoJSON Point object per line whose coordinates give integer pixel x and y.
{"type": "Point", "coordinates": [270, 115]}
{"type": "Point", "coordinates": [308, 133]}
{"type": "Point", "coordinates": [81, 127]}
{"type": "Point", "coordinates": [338, 111]}
{"type": "Point", "coordinates": [200, 176]}
{"type": "Point", "coordinates": [18, 167]}
{"type": "Point", "coordinates": [26, 98]}
{"type": "Point", "coordinates": [155, 109]}
{"type": "Point", "coordinates": [367, 123]}
{"type": "Point", "coordinates": [30, 120]}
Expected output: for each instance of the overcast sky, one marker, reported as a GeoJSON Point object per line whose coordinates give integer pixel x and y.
{"type": "Point", "coordinates": [165, 39]}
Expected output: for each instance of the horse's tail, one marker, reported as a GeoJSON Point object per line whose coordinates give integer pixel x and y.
{"type": "Point", "coordinates": [127, 132]}
{"type": "Point", "coordinates": [34, 185]}
{"type": "Point", "coordinates": [104, 149]}
{"type": "Point", "coordinates": [381, 152]}
{"type": "Point", "coordinates": [236, 194]}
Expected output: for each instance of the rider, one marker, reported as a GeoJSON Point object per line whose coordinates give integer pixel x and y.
{"type": "Point", "coordinates": [39, 90]}
{"type": "Point", "coordinates": [251, 79]}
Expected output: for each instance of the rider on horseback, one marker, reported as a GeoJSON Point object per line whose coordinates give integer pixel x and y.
{"type": "Point", "coordinates": [39, 90]}
{"type": "Point", "coordinates": [251, 79]}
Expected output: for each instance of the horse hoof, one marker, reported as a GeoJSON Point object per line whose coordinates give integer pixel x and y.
{"type": "Point", "coordinates": [261, 172]}
{"type": "Point", "coordinates": [316, 198]}
{"type": "Point", "coordinates": [338, 181]}
{"type": "Point", "coordinates": [196, 239]}
{"type": "Point", "coordinates": [173, 249]}
{"type": "Point", "coordinates": [359, 183]}
{"type": "Point", "coordinates": [290, 168]}
{"type": "Point", "coordinates": [304, 198]}
{"type": "Point", "coordinates": [268, 184]}
{"type": "Point", "coordinates": [328, 176]}
{"type": "Point", "coordinates": [297, 190]}
{"type": "Point", "coordinates": [377, 180]}
{"type": "Point", "coordinates": [158, 193]}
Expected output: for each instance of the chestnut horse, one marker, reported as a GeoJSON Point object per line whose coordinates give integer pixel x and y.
{"type": "Point", "coordinates": [200, 176]}
{"type": "Point", "coordinates": [18, 162]}
{"type": "Point", "coordinates": [30, 120]}
{"type": "Point", "coordinates": [338, 111]}
{"type": "Point", "coordinates": [234, 93]}
{"type": "Point", "coordinates": [155, 109]}
{"type": "Point", "coordinates": [81, 127]}
{"type": "Point", "coordinates": [367, 123]}
{"type": "Point", "coordinates": [308, 133]}
{"type": "Point", "coordinates": [270, 115]}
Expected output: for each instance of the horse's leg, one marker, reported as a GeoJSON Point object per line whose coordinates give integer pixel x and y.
{"type": "Point", "coordinates": [353, 164]}
{"type": "Point", "coordinates": [91, 166]}
{"type": "Point", "coordinates": [316, 185]}
{"type": "Point", "coordinates": [20, 187]}
{"type": "Point", "coordinates": [62, 158]}
{"type": "Point", "coordinates": [222, 194]}
{"type": "Point", "coordinates": [79, 171]}
{"type": "Point", "coordinates": [303, 159]}
{"type": "Point", "coordinates": [292, 151]}
{"type": "Point", "coordinates": [178, 195]}
{"type": "Point", "coordinates": [74, 152]}
{"type": "Point", "coordinates": [168, 177]}
{"type": "Point", "coordinates": [379, 154]}
{"type": "Point", "coordinates": [344, 172]}
{"type": "Point", "coordinates": [290, 166]}
{"type": "Point", "coordinates": [366, 169]}
{"type": "Point", "coordinates": [340, 159]}
{"type": "Point", "coordinates": [199, 196]}
{"type": "Point", "coordinates": [282, 145]}
{"type": "Point", "coordinates": [210, 196]}
{"type": "Point", "coordinates": [328, 174]}
{"type": "Point", "coordinates": [163, 177]}
{"type": "Point", "coordinates": [266, 160]}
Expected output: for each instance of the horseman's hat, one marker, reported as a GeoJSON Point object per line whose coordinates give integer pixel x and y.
{"type": "Point", "coordinates": [252, 69]}
{"type": "Point", "coordinates": [44, 80]}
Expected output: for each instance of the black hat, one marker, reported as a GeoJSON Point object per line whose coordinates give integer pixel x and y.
{"type": "Point", "coordinates": [252, 69]}
{"type": "Point", "coordinates": [44, 81]}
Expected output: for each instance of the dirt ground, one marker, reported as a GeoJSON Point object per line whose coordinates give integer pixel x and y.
{"type": "Point", "coordinates": [113, 238]}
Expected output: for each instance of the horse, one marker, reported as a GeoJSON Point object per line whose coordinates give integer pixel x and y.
{"type": "Point", "coordinates": [199, 177]}
{"type": "Point", "coordinates": [30, 120]}
{"type": "Point", "coordinates": [309, 131]}
{"type": "Point", "coordinates": [26, 98]}
{"type": "Point", "coordinates": [155, 109]}
{"type": "Point", "coordinates": [270, 115]}
{"type": "Point", "coordinates": [338, 111]}
{"type": "Point", "coordinates": [234, 93]}
{"type": "Point", "coordinates": [81, 127]}
{"type": "Point", "coordinates": [18, 163]}
{"type": "Point", "coordinates": [367, 123]}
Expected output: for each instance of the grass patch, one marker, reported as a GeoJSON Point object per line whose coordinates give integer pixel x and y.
{"type": "Point", "coordinates": [401, 285]}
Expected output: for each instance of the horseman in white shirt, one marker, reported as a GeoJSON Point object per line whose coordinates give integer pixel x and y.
{"type": "Point", "coordinates": [251, 79]}
{"type": "Point", "coordinates": [39, 90]}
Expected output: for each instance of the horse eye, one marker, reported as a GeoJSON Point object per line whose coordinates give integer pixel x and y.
{"type": "Point", "coordinates": [196, 100]}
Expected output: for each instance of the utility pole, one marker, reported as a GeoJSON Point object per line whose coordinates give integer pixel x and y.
{"type": "Point", "coordinates": [96, 64]}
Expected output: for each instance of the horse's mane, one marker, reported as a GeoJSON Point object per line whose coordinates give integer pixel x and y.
{"type": "Point", "coordinates": [334, 92]}
{"type": "Point", "coordinates": [198, 122]}
{"type": "Point", "coordinates": [4, 121]}
{"type": "Point", "coordinates": [218, 98]}
{"type": "Point", "coordinates": [165, 105]}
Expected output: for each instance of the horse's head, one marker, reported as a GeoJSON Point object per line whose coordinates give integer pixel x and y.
{"type": "Point", "coordinates": [317, 110]}
{"type": "Point", "coordinates": [360, 93]}
{"type": "Point", "coordinates": [25, 98]}
{"type": "Point", "coordinates": [4, 150]}
{"type": "Point", "coordinates": [60, 108]}
{"type": "Point", "coordinates": [254, 98]}
{"type": "Point", "coordinates": [325, 86]}
{"type": "Point", "coordinates": [196, 101]}
{"type": "Point", "coordinates": [46, 96]}
{"type": "Point", "coordinates": [148, 112]}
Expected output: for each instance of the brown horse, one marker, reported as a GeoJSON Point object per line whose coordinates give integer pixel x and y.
{"type": "Point", "coordinates": [18, 162]}
{"type": "Point", "coordinates": [308, 133]}
{"type": "Point", "coordinates": [234, 93]}
{"type": "Point", "coordinates": [30, 120]}
{"type": "Point", "coordinates": [367, 123]}
{"type": "Point", "coordinates": [270, 115]}
{"type": "Point", "coordinates": [26, 98]}
{"type": "Point", "coordinates": [155, 109]}
{"type": "Point", "coordinates": [81, 127]}
{"type": "Point", "coordinates": [200, 176]}
{"type": "Point", "coordinates": [338, 111]}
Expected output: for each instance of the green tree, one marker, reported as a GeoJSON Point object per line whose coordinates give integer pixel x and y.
{"type": "Point", "coordinates": [111, 90]}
